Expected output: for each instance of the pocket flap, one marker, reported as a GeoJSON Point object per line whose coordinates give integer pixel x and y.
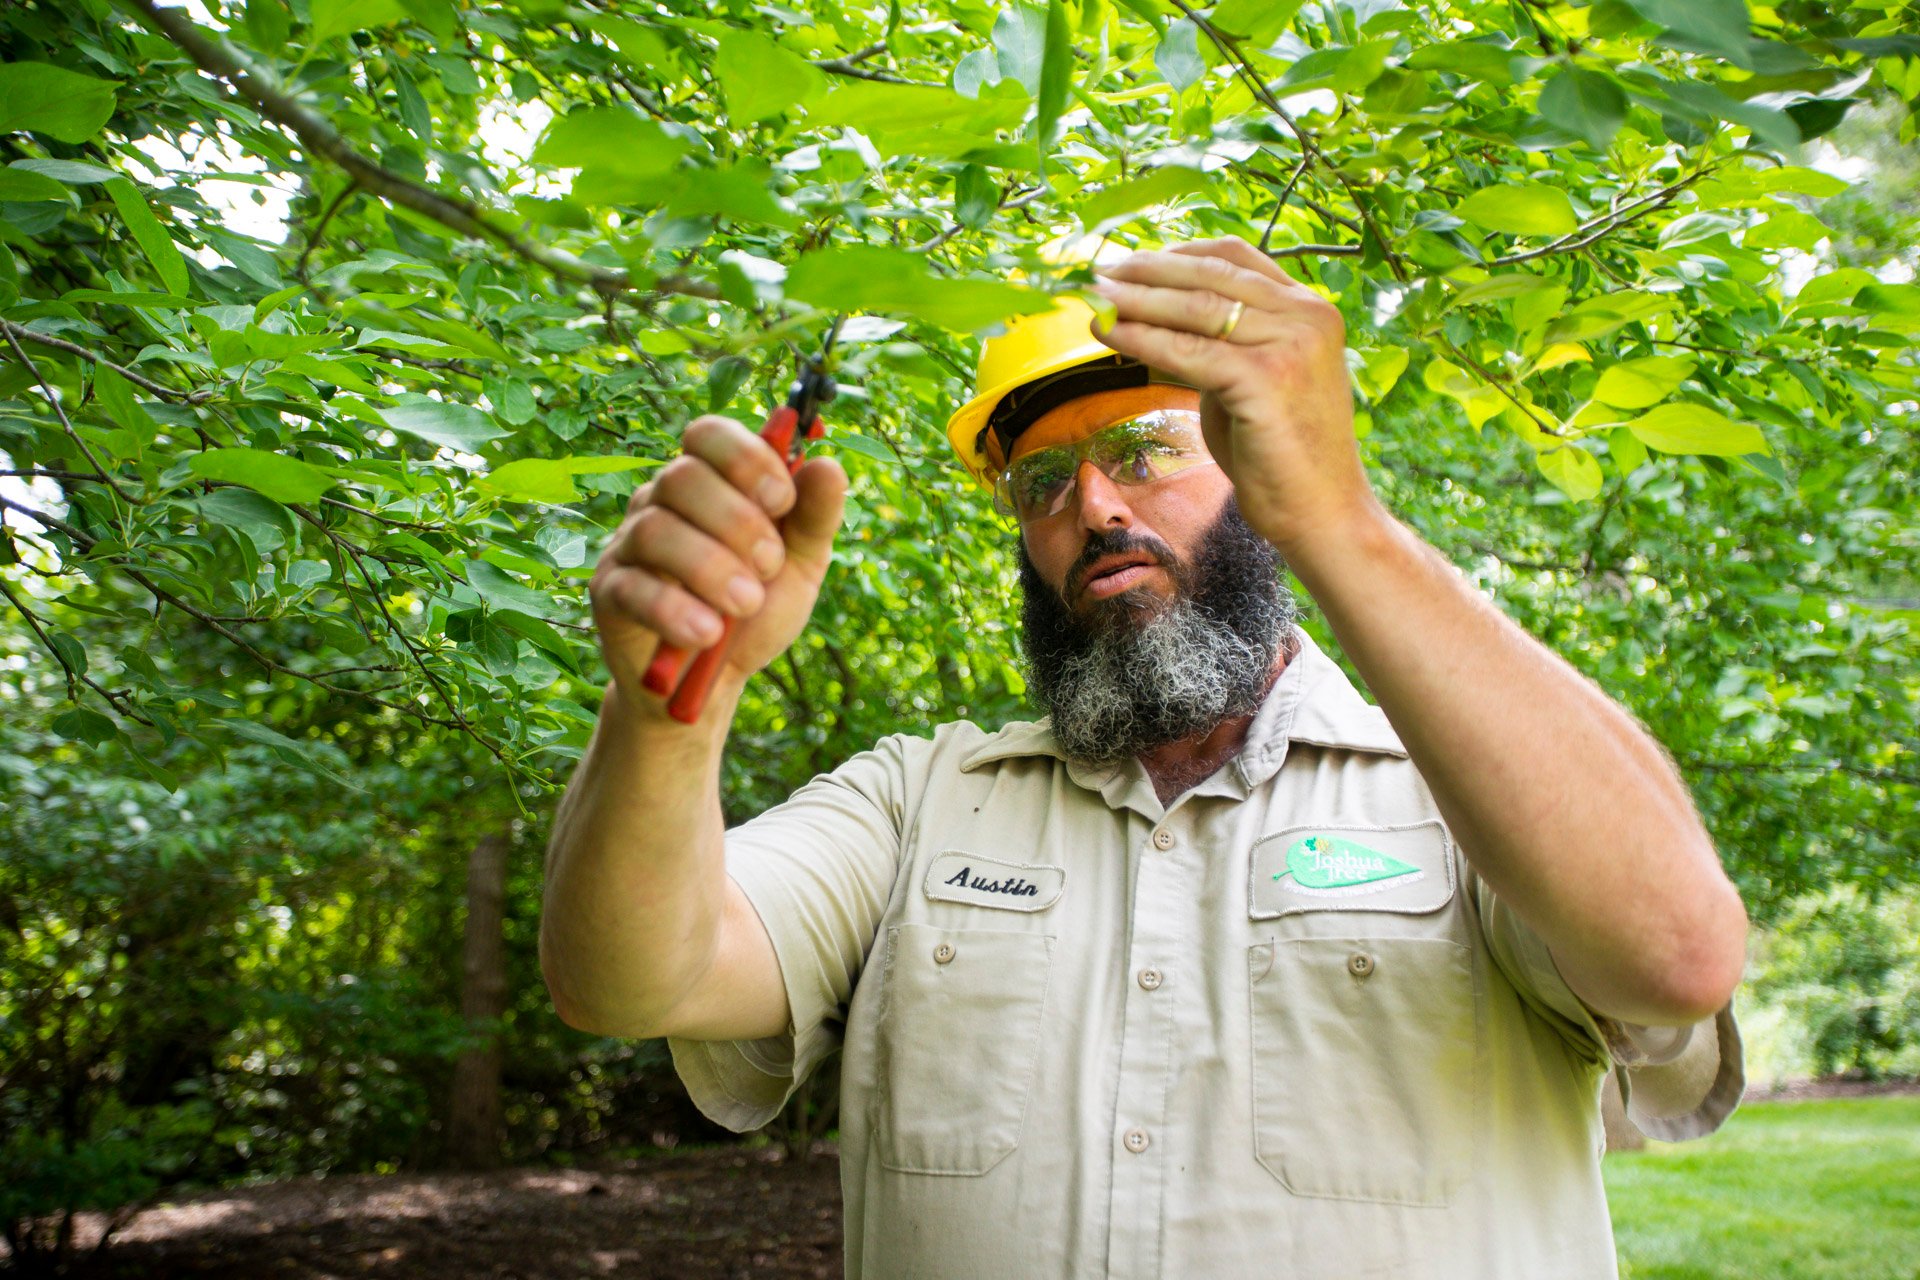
{"type": "Point", "coordinates": [1331, 867]}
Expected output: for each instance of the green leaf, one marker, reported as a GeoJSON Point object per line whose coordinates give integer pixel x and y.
{"type": "Point", "coordinates": [615, 139]}
{"type": "Point", "coordinates": [872, 278]}
{"type": "Point", "coordinates": [760, 79]}
{"type": "Point", "coordinates": [1694, 428]}
{"type": "Point", "coordinates": [1703, 102]}
{"type": "Point", "coordinates": [72, 653]}
{"type": "Point", "coordinates": [1020, 45]}
{"type": "Point", "coordinates": [339, 17]}
{"type": "Point", "coordinates": [74, 173]}
{"type": "Point", "coordinates": [85, 725]}
{"type": "Point", "coordinates": [550, 480]}
{"type": "Point", "coordinates": [869, 105]}
{"type": "Point", "coordinates": [502, 591]}
{"type": "Point", "coordinates": [1056, 76]}
{"type": "Point", "coordinates": [1520, 209]}
{"type": "Point", "coordinates": [23, 186]}
{"type": "Point", "coordinates": [1169, 182]}
{"type": "Point", "coordinates": [1570, 469]}
{"type": "Point", "coordinates": [1498, 288]}
{"type": "Point", "coordinates": [1787, 229]}
{"type": "Point", "coordinates": [1629, 455]}
{"type": "Point", "coordinates": [1636, 384]}
{"type": "Point", "coordinates": [150, 235]}
{"type": "Point", "coordinates": [1473, 59]}
{"type": "Point", "coordinates": [641, 47]}
{"type": "Point", "coordinates": [743, 193]}
{"type": "Point", "coordinates": [1586, 104]}
{"type": "Point", "coordinates": [275, 475]}
{"type": "Point", "coordinates": [1710, 26]}
{"type": "Point", "coordinates": [460, 427]}
{"type": "Point", "coordinates": [975, 197]}
{"type": "Point", "coordinates": [64, 105]}
{"type": "Point", "coordinates": [1257, 20]}
{"type": "Point", "coordinates": [1177, 56]}
{"type": "Point", "coordinates": [266, 523]}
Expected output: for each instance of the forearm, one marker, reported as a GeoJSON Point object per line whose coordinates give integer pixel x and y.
{"type": "Point", "coordinates": [635, 875]}
{"type": "Point", "coordinates": [1561, 802]}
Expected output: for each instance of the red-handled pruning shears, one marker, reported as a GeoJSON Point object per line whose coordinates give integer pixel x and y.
{"type": "Point", "coordinates": [788, 429]}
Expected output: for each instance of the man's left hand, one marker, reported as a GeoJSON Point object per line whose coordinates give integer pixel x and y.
{"type": "Point", "coordinates": [1276, 406]}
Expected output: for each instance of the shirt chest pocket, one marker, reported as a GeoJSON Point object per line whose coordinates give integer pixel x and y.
{"type": "Point", "coordinates": [1365, 1035]}
{"type": "Point", "coordinates": [959, 1037]}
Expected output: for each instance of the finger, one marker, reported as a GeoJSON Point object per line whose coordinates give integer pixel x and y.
{"type": "Point", "coordinates": [1200, 311]}
{"type": "Point", "coordinates": [663, 541]}
{"type": "Point", "coordinates": [665, 608]}
{"type": "Point", "coordinates": [749, 463]}
{"type": "Point", "coordinates": [1166, 269]}
{"type": "Point", "coordinates": [691, 488]}
{"type": "Point", "coordinates": [809, 528]}
{"type": "Point", "coordinates": [1238, 251]}
{"type": "Point", "coordinates": [1181, 352]}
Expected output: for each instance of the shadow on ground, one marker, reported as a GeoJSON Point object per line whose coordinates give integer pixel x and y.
{"type": "Point", "coordinates": [702, 1215]}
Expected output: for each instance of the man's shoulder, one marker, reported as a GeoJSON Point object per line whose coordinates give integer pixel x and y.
{"type": "Point", "coordinates": [963, 745]}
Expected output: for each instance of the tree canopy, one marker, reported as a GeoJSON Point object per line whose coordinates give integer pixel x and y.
{"type": "Point", "coordinates": [337, 332]}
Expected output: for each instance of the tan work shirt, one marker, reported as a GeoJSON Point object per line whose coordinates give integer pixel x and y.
{"type": "Point", "coordinates": [1279, 1027]}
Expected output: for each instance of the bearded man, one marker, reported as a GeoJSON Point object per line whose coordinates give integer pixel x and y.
{"type": "Point", "coordinates": [1218, 969]}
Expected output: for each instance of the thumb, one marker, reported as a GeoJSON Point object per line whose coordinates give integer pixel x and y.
{"type": "Point", "coordinates": [820, 494]}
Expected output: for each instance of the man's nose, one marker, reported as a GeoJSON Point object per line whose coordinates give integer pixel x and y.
{"type": "Point", "coordinates": [1099, 499]}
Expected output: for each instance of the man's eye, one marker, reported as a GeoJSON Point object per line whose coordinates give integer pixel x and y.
{"type": "Point", "coordinates": [1037, 482]}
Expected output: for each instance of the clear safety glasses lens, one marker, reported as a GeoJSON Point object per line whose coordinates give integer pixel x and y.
{"type": "Point", "coordinates": [1140, 450]}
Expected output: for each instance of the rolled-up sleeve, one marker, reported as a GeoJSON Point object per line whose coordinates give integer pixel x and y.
{"type": "Point", "coordinates": [818, 869]}
{"type": "Point", "coordinates": [1677, 1082]}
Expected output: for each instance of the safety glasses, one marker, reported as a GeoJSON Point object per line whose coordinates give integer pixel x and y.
{"type": "Point", "coordinates": [1149, 447]}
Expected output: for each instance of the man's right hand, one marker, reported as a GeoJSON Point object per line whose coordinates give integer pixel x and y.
{"type": "Point", "coordinates": [700, 542]}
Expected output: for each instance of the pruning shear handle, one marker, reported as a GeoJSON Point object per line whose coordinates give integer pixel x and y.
{"type": "Point", "coordinates": [686, 686]}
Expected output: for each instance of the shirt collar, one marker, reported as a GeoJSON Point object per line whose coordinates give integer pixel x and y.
{"type": "Point", "coordinates": [1312, 703]}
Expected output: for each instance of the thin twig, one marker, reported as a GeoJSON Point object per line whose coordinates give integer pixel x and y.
{"type": "Point", "coordinates": [93, 357]}
{"type": "Point", "coordinates": [1280, 205]}
{"type": "Point", "coordinates": [1605, 225]}
{"type": "Point", "coordinates": [319, 228]}
{"type": "Point", "coordinates": [117, 701]}
{"type": "Point", "coordinates": [61, 413]}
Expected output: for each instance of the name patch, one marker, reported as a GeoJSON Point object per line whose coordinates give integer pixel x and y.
{"type": "Point", "coordinates": [958, 876]}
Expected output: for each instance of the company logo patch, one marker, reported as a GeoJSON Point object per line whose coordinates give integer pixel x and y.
{"type": "Point", "coordinates": [1327, 866]}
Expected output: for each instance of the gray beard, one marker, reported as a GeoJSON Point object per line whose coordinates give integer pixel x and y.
{"type": "Point", "coordinates": [1131, 675]}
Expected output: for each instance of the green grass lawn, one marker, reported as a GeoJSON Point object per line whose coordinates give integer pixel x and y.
{"type": "Point", "coordinates": [1786, 1191]}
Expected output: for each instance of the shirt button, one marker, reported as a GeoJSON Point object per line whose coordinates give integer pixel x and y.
{"type": "Point", "coordinates": [1136, 1140]}
{"type": "Point", "coordinates": [1163, 839]}
{"type": "Point", "coordinates": [1359, 964]}
{"type": "Point", "coordinates": [1150, 978]}
{"type": "Point", "coordinates": [943, 953]}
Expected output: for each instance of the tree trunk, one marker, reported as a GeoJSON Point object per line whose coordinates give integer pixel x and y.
{"type": "Point", "coordinates": [474, 1135]}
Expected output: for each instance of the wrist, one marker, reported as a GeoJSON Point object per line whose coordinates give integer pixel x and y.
{"type": "Point", "coordinates": [1340, 538]}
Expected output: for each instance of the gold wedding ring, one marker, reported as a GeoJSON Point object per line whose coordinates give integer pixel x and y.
{"type": "Point", "coordinates": [1233, 318]}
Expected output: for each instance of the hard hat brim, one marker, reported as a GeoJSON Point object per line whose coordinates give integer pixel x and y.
{"type": "Point", "coordinates": [963, 428]}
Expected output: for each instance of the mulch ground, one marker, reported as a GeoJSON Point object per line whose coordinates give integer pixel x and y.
{"type": "Point", "coordinates": [702, 1215]}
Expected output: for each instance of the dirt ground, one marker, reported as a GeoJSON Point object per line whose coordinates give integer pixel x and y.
{"type": "Point", "coordinates": [716, 1214]}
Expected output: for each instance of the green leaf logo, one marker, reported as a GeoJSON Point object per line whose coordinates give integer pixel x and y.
{"type": "Point", "coordinates": [1329, 865]}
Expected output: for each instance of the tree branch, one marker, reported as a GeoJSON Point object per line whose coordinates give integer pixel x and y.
{"type": "Point", "coordinates": [258, 86]}
{"type": "Point", "coordinates": [16, 331]}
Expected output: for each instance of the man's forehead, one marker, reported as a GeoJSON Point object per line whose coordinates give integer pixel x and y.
{"type": "Point", "coordinates": [1083, 415]}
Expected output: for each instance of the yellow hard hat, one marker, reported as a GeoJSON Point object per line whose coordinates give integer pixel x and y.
{"type": "Point", "coordinates": [1033, 348]}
